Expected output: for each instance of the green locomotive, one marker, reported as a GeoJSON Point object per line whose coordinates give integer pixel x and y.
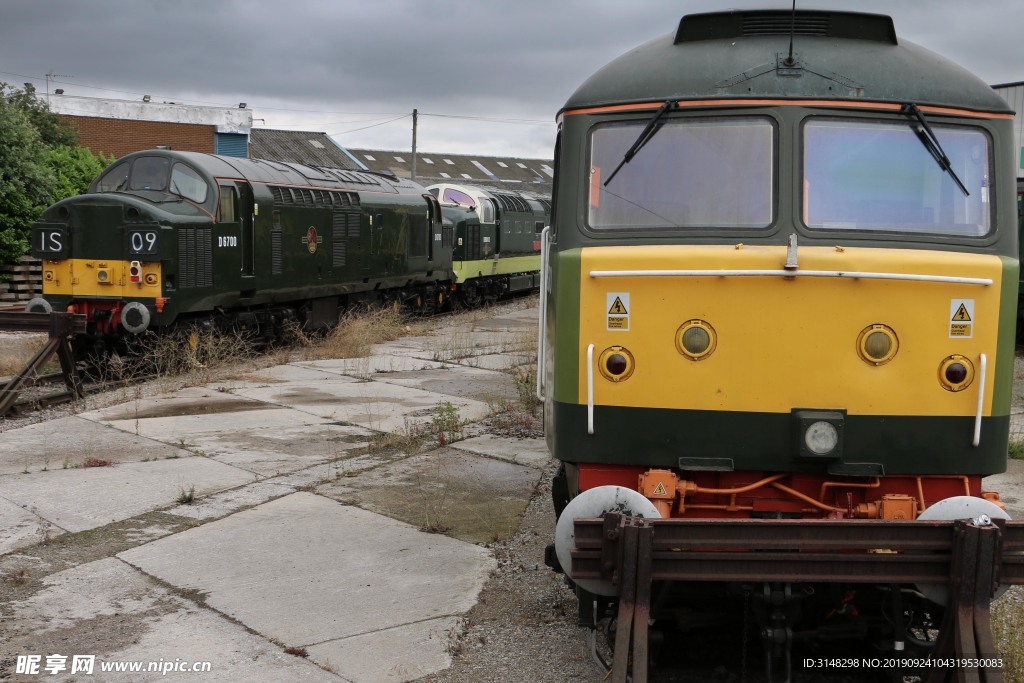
{"type": "Point", "coordinates": [497, 239]}
{"type": "Point", "coordinates": [166, 237]}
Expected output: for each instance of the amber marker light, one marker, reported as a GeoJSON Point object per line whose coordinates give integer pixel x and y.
{"type": "Point", "coordinates": [956, 373]}
{"type": "Point", "coordinates": [696, 339]}
{"type": "Point", "coordinates": [877, 344]}
{"type": "Point", "coordinates": [616, 363]}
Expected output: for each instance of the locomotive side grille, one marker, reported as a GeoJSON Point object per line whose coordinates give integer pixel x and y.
{"type": "Point", "coordinates": [339, 231]}
{"type": "Point", "coordinates": [187, 265]}
{"type": "Point", "coordinates": [195, 256]}
{"type": "Point", "coordinates": [276, 265]}
{"type": "Point", "coordinates": [282, 195]}
{"type": "Point", "coordinates": [473, 243]}
{"type": "Point", "coordinates": [353, 225]}
{"type": "Point", "coordinates": [204, 257]}
{"type": "Point", "coordinates": [353, 198]}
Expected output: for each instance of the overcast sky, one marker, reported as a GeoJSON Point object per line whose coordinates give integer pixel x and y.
{"type": "Point", "coordinates": [356, 69]}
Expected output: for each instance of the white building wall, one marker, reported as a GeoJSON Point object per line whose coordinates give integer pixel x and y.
{"type": "Point", "coordinates": [226, 120]}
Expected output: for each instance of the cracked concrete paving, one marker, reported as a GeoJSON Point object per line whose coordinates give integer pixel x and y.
{"type": "Point", "coordinates": [270, 523]}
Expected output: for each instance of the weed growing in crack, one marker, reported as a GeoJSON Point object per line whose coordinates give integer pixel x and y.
{"type": "Point", "coordinates": [187, 496]}
{"type": "Point", "coordinates": [447, 424]}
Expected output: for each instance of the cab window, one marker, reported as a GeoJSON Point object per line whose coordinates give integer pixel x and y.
{"type": "Point", "coordinates": [115, 179]}
{"type": "Point", "coordinates": [188, 184]}
{"type": "Point", "coordinates": [149, 173]}
{"type": "Point", "coordinates": [877, 175]}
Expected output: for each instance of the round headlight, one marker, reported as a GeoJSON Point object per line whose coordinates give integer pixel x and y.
{"type": "Point", "coordinates": [696, 340]}
{"type": "Point", "coordinates": [877, 344]}
{"type": "Point", "coordinates": [821, 437]}
{"type": "Point", "coordinates": [956, 373]}
{"type": "Point", "coordinates": [102, 275]}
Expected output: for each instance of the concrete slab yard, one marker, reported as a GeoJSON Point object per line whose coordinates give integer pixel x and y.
{"type": "Point", "coordinates": [71, 441]}
{"type": "Point", "coordinates": [375, 405]}
{"type": "Point", "coordinates": [95, 496]}
{"type": "Point", "coordinates": [74, 612]}
{"type": "Point", "coordinates": [322, 571]}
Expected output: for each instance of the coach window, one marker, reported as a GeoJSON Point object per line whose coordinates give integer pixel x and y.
{"type": "Point", "coordinates": [188, 184]}
{"type": "Point", "coordinates": [227, 212]}
{"type": "Point", "coordinates": [150, 173]}
{"type": "Point", "coordinates": [694, 173]}
{"type": "Point", "coordinates": [877, 175]}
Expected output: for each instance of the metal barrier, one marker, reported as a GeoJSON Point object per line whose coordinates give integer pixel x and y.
{"type": "Point", "coordinates": [971, 557]}
{"type": "Point", "coordinates": [61, 327]}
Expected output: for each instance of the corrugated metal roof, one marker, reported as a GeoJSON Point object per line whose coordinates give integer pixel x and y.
{"type": "Point", "coordinates": [300, 147]}
{"type": "Point", "coordinates": [509, 173]}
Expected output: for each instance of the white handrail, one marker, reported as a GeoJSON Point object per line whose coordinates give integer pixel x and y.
{"type": "Point", "coordinates": [590, 389]}
{"type": "Point", "coordinates": [855, 275]}
{"type": "Point", "coordinates": [981, 400]}
{"type": "Point", "coordinates": [542, 327]}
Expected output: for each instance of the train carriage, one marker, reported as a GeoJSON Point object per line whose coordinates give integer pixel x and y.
{"type": "Point", "coordinates": [781, 284]}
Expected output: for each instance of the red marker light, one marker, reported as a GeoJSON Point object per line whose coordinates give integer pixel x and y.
{"type": "Point", "coordinates": [956, 373]}
{"type": "Point", "coordinates": [135, 271]}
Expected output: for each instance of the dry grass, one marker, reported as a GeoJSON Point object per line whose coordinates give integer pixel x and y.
{"type": "Point", "coordinates": [1008, 630]}
{"type": "Point", "coordinates": [17, 349]}
{"type": "Point", "coordinates": [356, 333]}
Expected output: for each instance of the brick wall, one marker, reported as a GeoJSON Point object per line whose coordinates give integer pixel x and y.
{"type": "Point", "coordinates": [121, 136]}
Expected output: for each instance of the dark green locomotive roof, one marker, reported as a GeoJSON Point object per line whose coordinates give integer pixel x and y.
{"type": "Point", "coordinates": [281, 173]}
{"type": "Point", "coordinates": [744, 54]}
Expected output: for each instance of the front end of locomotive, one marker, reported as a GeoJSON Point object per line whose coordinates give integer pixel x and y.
{"type": "Point", "coordinates": [114, 254]}
{"type": "Point", "coordinates": [781, 292]}
{"type": "Point", "coordinates": [101, 258]}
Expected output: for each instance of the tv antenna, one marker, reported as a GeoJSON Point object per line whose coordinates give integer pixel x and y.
{"type": "Point", "coordinates": [49, 75]}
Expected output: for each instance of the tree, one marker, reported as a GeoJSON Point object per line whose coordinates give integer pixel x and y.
{"type": "Point", "coordinates": [74, 169]}
{"type": "Point", "coordinates": [40, 163]}
{"type": "Point", "coordinates": [26, 181]}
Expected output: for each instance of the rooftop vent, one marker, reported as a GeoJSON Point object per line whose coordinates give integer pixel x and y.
{"type": "Point", "coordinates": [740, 24]}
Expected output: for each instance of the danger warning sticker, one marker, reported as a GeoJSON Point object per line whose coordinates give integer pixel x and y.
{"type": "Point", "coordinates": [617, 305]}
{"type": "Point", "coordinates": [961, 318]}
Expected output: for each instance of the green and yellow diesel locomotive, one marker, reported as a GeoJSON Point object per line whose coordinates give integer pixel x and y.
{"type": "Point", "coordinates": [496, 239]}
{"type": "Point", "coordinates": [781, 283]}
{"type": "Point", "coordinates": [165, 238]}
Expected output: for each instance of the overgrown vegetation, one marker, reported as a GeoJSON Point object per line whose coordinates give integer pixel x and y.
{"type": "Point", "coordinates": [1016, 449]}
{"type": "Point", "coordinates": [40, 163]}
{"type": "Point", "coordinates": [355, 334]}
{"type": "Point", "coordinates": [1008, 632]}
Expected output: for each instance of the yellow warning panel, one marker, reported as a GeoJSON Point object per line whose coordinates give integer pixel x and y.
{"type": "Point", "coordinates": [618, 307]}
{"type": "Point", "coordinates": [961, 318]}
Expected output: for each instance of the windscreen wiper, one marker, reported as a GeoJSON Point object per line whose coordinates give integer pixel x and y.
{"type": "Point", "coordinates": [652, 127]}
{"type": "Point", "coordinates": [927, 137]}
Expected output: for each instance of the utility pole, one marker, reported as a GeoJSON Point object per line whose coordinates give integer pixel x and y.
{"type": "Point", "coordinates": [415, 117]}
